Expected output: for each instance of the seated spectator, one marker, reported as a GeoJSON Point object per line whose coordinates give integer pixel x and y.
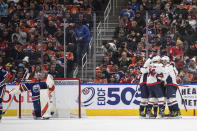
{"type": "Point", "coordinates": [117, 73]}
{"type": "Point", "coordinates": [124, 61]}
{"type": "Point", "coordinates": [191, 51]}
{"type": "Point", "coordinates": [107, 61]}
{"type": "Point", "coordinates": [192, 68]}
{"type": "Point", "coordinates": [100, 78]}
{"type": "Point", "coordinates": [128, 78]}
{"type": "Point", "coordinates": [185, 77]}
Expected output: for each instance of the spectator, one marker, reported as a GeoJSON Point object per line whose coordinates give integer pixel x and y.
{"type": "Point", "coordinates": [176, 53]}
{"type": "Point", "coordinates": [22, 36]}
{"type": "Point", "coordinates": [82, 36]}
{"type": "Point", "coordinates": [192, 68]}
{"type": "Point", "coordinates": [191, 51]}
{"type": "Point", "coordinates": [124, 62]}
{"type": "Point", "coordinates": [128, 79]}
{"type": "Point", "coordinates": [109, 46]}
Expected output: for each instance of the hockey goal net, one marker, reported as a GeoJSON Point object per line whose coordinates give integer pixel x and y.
{"type": "Point", "coordinates": [65, 100]}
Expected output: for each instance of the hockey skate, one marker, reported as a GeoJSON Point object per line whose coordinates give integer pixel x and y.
{"type": "Point", "coordinates": [168, 115]}
{"type": "Point", "coordinates": [0, 118]}
{"type": "Point", "coordinates": [176, 115]}
{"type": "Point", "coordinates": [142, 114]}
{"type": "Point", "coordinates": [155, 114]}
{"type": "Point", "coordinates": [161, 114]}
{"type": "Point", "coordinates": [150, 115]}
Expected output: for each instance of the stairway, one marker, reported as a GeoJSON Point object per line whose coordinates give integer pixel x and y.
{"type": "Point", "coordinates": [109, 32]}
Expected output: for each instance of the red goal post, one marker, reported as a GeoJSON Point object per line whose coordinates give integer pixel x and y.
{"type": "Point", "coordinates": [66, 99]}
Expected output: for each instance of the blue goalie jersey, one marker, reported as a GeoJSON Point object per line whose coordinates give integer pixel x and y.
{"type": "Point", "coordinates": [35, 90]}
{"type": "Point", "coordinates": [3, 75]}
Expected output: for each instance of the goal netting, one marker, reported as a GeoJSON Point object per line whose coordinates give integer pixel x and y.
{"type": "Point", "coordinates": [65, 101]}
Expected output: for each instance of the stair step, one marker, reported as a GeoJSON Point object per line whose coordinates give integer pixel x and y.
{"type": "Point", "coordinates": [107, 34]}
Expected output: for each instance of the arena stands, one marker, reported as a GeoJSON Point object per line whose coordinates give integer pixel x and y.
{"type": "Point", "coordinates": [172, 31]}
{"type": "Point", "coordinates": [21, 34]}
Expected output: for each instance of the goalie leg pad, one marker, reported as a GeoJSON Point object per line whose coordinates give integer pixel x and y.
{"type": "Point", "coordinates": [1, 106]}
{"type": "Point", "coordinates": [2, 91]}
{"type": "Point", "coordinates": [50, 82]}
{"type": "Point", "coordinates": [36, 102]}
{"type": "Point", "coordinates": [44, 101]}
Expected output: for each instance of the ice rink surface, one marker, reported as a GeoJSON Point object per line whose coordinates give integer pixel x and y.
{"type": "Point", "coordinates": [100, 124]}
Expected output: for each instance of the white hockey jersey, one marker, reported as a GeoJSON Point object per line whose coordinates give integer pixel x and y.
{"type": "Point", "coordinates": [154, 71]}
{"type": "Point", "coordinates": [170, 74]}
{"type": "Point", "coordinates": [144, 70]}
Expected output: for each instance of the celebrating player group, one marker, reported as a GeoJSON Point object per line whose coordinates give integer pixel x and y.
{"type": "Point", "coordinates": [158, 87]}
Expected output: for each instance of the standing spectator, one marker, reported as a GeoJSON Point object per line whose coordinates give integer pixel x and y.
{"type": "Point", "coordinates": [176, 54]}
{"type": "Point", "coordinates": [51, 28]}
{"type": "Point", "coordinates": [82, 36]}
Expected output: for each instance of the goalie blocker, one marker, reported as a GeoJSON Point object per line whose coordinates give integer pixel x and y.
{"type": "Point", "coordinates": [40, 95]}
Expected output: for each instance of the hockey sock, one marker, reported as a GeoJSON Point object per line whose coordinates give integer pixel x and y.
{"type": "Point", "coordinates": [149, 107]}
{"type": "Point", "coordinates": [146, 109]}
{"type": "Point", "coordinates": [155, 110]}
{"type": "Point", "coordinates": [175, 107]}
{"type": "Point", "coordinates": [170, 108]}
{"type": "Point", "coordinates": [142, 108]}
{"type": "Point", "coordinates": [161, 107]}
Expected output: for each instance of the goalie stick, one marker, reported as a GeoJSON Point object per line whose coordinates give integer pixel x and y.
{"type": "Point", "coordinates": [4, 112]}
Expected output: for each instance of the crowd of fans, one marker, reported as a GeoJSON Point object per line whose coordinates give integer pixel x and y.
{"type": "Point", "coordinates": [172, 31]}
{"type": "Point", "coordinates": [22, 40]}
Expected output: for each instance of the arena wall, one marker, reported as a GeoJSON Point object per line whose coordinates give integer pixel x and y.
{"type": "Point", "coordinates": [111, 99]}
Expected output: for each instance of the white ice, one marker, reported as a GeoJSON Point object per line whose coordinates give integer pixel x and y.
{"type": "Point", "coordinates": [100, 124]}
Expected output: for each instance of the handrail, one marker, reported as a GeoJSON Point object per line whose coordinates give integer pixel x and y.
{"type": "Point", "coordinates": [75, 72]}
{"type": "Point", "coordinates": [84, 64]}
{"type": "Point", "coordinates": [99, 35]}
{"type": "Point", "coordinates": [106, 15]}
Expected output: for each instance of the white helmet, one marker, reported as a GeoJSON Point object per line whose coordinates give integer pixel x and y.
{"type": "Point", "coordinates": [156, 58]}
{"type": "Point", "coordinates": [165, 58]}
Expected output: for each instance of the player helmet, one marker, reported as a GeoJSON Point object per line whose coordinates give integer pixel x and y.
{"type": "Point", "coordinates": [156, 58]}
{"type": "Point", "coordinates": [165, 58]}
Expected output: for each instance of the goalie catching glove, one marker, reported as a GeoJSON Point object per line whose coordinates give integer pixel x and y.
{"type": "Point", "coordinates": [50, 82]}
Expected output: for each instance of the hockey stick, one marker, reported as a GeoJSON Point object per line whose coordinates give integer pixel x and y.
{"type": "Point", "coordinates": [182, 99]}
{"type": "Point", "coordinates": [4, 112]}
{"type": "Point", "coordinates": [136, 91]}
